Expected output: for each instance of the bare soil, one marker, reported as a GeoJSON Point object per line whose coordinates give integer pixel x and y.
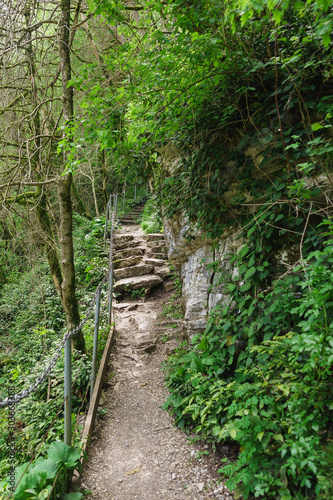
{"type": "Point", "coordinates": [136, 451]}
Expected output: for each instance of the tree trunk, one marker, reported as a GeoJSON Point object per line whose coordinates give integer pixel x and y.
{"type": "Point", "coordinates": [67, 260]}
{"type": "Point", "coordinates": [2, 276]}
{"type": "Point", "coordinates": [48, 237]}
{"type": "Point", "coordinates": [64, 188]}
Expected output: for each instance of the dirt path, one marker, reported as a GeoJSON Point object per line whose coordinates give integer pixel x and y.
{"type": "Point", "coordinates": [136, 452]}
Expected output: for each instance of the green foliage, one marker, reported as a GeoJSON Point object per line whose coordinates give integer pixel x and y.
{"type": "Point", "coordinates": [135, 294]}
{"type": "Point", "coordinates": [31, 324]}
{"type": "Point", "coordinates": [151, 217]}
{"type": "Point", "coordinates": [46, 477]}
{"type": "Point", "coordinates": [260, 375]}
{"type": "Point", "coordinates": [227, 107]}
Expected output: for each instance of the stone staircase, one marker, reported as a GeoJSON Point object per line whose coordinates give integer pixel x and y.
{"type": "Point", "coordinates": [140, 262]}
{"type": "Point", "coordinates": [140, 266]}
{"type": "Point", "coordinates": [133, 216]}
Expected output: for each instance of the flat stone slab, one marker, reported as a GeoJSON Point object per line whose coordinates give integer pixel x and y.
{"type": "Point", "coordinates": [163, 256]}
{"type": "Point", "coordinates": [138, 282]}
{"type": "Point", "coordinates": [130, 261]}
{"type": "Point", "coordinates": [155, 262]}
{"type": "Point", "coordinates": [158, 248]}
{"type": "Point", "coordinates": [169, 286]}
{"type": "Point", "coordinates": [134, 271]}
{"type": "Point", "coordinates": [154, 243]}
{"type": "Point", "coordinates": [155, 237]}
{"type": "Point", "coordinates": [162, 271]}
{"type": "Point", "coordinates": [126, 244]}
{"type": "Point", "coordinates": [129, 253]}
{"type": "Point", "coordinates": [123, 238]}
{"type": "Point", "coordinates": [121, 305]}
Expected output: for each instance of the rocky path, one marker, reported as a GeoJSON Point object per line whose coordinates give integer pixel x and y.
{"type": "Point", "coordinates": [136, 452]}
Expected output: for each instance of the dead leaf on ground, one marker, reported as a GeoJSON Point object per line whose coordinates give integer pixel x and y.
{"type": "Point", "coordinates": [134, 471]}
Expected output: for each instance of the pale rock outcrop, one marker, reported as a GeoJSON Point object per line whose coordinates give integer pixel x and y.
{"type": "Point", "coordinates": [202, 287]}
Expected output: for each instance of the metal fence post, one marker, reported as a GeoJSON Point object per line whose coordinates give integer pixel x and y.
{"type": "Point", "coordinates": [115, 204]}
{"type": "Point", "coordinates": [110, 283]}
{"type": "Point", "coordinates": [68, 393]}
{"type": "Point", "coordinates": [106, 221]}
{"type": "Point", "coordinates": [110, 293]}
{"type": "Point", "coordinates": [95, 347]}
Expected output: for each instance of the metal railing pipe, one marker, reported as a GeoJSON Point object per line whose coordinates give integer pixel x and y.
{"type": "Point", "coordinates": [95, 346]}
{"type": "Point", "coordinates": [110, 290]}
{"type": "Point", "coordinates": [68, 393]}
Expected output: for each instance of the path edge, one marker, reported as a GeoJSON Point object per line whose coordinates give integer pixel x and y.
{"type": "Point", "coordinates": [93, 406]}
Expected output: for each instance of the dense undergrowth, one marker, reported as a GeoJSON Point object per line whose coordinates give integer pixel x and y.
{"type": "Point", "coordinates": [31, 323]}
{"type": "Point", "coordinates": [261, 376]}
{"type": "Point", "coordinates": [151, 218]}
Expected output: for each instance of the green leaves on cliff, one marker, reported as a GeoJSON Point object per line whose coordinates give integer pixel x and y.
{"type": "Point", "coordinates": [260, 376]}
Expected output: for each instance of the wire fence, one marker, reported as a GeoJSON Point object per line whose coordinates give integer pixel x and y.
{"type": "Point", "coordinates": [65, 344]}
{"type": "Point", "coordinates": [41, 379]}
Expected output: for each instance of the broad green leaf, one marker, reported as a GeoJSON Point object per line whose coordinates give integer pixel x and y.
{"type": "Point", "coordinates": [72, 496]}
{"type": "Point", "coordinates": [260, 435]}
{"type": "Point", "coordinates": [277, 16]}
{"type": "Point", "coordinates": [245, 287]}
{"type": "Point", "coordinates": [59, 452]}
{"type": "Point", "coordinates": [233, 433]}
{"type": "Point", "coordinates": [250, 272]}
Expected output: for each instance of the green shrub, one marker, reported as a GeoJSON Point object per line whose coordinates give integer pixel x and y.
{"type": "Point", "coordinates": [261, 376]}
{"type": "Point", "coordinates": [46, 477]}
{"type": "Point", "coordinates": [151, 219]}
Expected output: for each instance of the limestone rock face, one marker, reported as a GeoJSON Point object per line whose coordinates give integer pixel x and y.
{"type": "Point", "coordinates": [201, 288]}
{"type": "Point", "coordinates": [138, 282]}
{"type": "Point", "coordinates": [179, 248]}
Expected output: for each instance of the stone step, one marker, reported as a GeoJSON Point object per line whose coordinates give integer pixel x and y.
{"type": "Point", "coordinates": [137, 282]}
{"type": "Point", "coordinates": [155, 262]}
{"type": "Point", "coordinates": [128, 222]}
{"type": "Point", "coordinates": [158, 248]}
{"type": "Point", "coordinates": [168, 331]}
{"type": "Point", "coordinates": [169, 286]}
{"type": "Point", "coordinates": [138, 270]}
{"type": "Point", "coordinates": [155, 236]}
{"type": "Point", "coordinates": [162, 271]}
{"type": "Point", "coordinates": [155, 244]}
{"type": "Point", "coordinates": [129, 253]}
{"type": "Point", "coordinates": [123, 238]}
{"type": "Point", "coordinates": [130, 261]}
{"type": "Point", "coordinates": [171, 347]}
{"type": "Point", "coordinates": [125, 245]}
{"type": "Point", "coordinates": [153, 255]}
